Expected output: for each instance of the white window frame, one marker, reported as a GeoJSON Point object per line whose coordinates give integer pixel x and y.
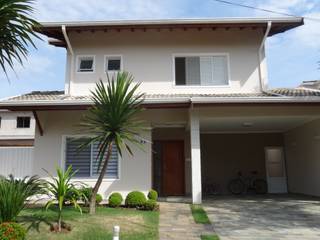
{"type": "Point", "coordinates": [85, 179]}
{"type": "Point", "coordinates": [174, 85]}
{"type": "Point", "coordinates": [78, 59]}
{"type": "Point", "coordinates": [106, 60]}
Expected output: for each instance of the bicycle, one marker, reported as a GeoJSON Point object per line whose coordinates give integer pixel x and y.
{"type": "Point", "coordinates": [243, 184]}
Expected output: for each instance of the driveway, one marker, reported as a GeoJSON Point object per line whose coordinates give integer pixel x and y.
{"type": "Point", "coordinates": [265, 218]}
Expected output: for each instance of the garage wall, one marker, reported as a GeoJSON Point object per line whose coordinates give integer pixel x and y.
{"type": "Point", "coordinates": [17, 161]}
{"type": "Point", "coordinates": [223, 155]}
{"type": "Point", "coordinates": [303, 158]}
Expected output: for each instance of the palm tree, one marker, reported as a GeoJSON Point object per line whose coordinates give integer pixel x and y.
{"type": "Point", "coordinates": [112, 121]}
{"type": "Point", "coordinates": [16, 31]}
{"type": "Point", "coordinates": [59, 188]}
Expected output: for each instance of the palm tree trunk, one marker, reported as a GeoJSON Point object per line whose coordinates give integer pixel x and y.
{"type": "Point", "coordinates": [59, 221]}
{"type": "Point", "coordinates": [96, 187]}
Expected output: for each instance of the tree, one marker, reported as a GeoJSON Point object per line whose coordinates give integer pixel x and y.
{"type": "Point", "coordinates": [61, 188]}
{"type": "Point", "coordinates": [16, 31]}
{"type": "Point", "coordinates": [112, 121]}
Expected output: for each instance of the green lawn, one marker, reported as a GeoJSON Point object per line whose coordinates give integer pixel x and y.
{"type": "Point", "coordinates": [209, 237]}
{"type": "Point", "coordinates": [199, 214]}
{"type": "Point", "coordinates": [134, 224]}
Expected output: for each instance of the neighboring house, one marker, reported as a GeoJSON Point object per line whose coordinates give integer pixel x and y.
{"type": "Point", "coordinates": [208, 106]}
{"type": "Point", "coordinates": [313, 84]}
{"type": "Point", "coordinates": [17, 131]}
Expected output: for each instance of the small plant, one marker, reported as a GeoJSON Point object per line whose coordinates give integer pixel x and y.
{"type": "Point", "coordinates": [153, 195]}
{"type": "Point", "coordinates": [61, 187]}
{"type": "Point", "coordinates": [99, 198]}
{"type": "Point", "coordinates": [14, 193]}
{"type": "Point", "coordinates": [150, 205]}
{"type": "Point", "coordinates": [135, 199]}
{"type": "Point", "coordinates": [12, 231]}
{"type": "Point", "coordinates": [115, 200]}
{"type": "Point", "coordinates": [87, 193]}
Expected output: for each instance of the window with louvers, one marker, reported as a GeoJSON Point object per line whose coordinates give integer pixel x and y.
{"type": "Point", "coordinates": [85, 160]}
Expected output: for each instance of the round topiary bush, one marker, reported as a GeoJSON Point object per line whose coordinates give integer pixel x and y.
{"type": "Point", "coordinates": [99, 198]}
{"type": "Point", "coordinates": [150, 205]}
{"type": "Point", "coordinates": [135, 199]}
{"type": "Point", "coordinates": [153, 195]}
{"type": "Point", "coordinates": [12, 231]}
{"type": "Point", "coordinates": [115, 200]}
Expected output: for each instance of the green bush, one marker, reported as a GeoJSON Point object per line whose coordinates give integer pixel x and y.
{"type": "Point", "coordinates": [153, 195]}
{"type": "Point", "coordinates": [14, 193]}
{"type": "Point", "coordinates": [86, 193]}
{"type": "Point", "coordinates": [115, 200]}
{"type": "Point", "coordinates": [99, 198]}
{"type": "Point", "coordinates": [12, 231]}
{"type": "Point", "coordinates": [150, 205]}
{"type": "Point", "coordinates": [135, 199]}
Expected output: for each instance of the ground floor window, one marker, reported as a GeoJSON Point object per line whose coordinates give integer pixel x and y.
{"type": "Point", "coordinates": [85, 161]}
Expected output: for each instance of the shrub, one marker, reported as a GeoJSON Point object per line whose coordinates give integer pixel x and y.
{"type": "Point", "coordinates": [87, 193]}
{"type": "Point", "coordinates": [150, 205]}
{"type": "Point", "coordinates": [12, 231]}
{"type": "Point", "coordinates": [14, 193]}
{"type": "Point", "coordinates": [99, 198]}
{"type": "Point", "coordinates": [153, 195]}
{"type": "Point", "coordinates": [135, 199]}
{"type": "Point", "coordinates": [115, 200]}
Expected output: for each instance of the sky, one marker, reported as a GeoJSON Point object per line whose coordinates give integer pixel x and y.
{"type": "Point", "coordinates": [292, 57]}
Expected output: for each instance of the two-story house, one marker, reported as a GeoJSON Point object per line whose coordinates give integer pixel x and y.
{"type": "Point", "coordinates": [208, 107]}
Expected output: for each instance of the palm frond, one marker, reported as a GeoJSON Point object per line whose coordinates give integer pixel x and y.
{"type": "Point", "coordinates": [16, 31]}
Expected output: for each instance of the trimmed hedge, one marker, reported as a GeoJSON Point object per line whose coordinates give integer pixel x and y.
{"type": "Point", "coordinates": [87, 192]}
{"type": "Point", "coordinates": [153, 195]}
{"type": "Point", "coordinates": [115, 200]}
{"type": "Point", "coordinates": [150, 205]}
{"type": "Point", "coordinates": [12, 231]}
{"type": "Point", "coordinates": [135, 199]}
{"type": "Point", "coordinates": [99, 198]}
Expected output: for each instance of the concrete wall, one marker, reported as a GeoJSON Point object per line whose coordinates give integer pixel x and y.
{"type": "Point", "coordinates": [149, 57]}
{"type": "Point", "coordinates": [135, 172]}
{"type": "Point", "coordinates": [8, 128]}
{"type": "Point", "coordinates": [223, 155]}
{"type": "Point", "coordinates": [303, 158]}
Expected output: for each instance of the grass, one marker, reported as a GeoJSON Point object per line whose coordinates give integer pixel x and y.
{"type": "Point", "coordinates": [133, 224]}
{"type": "Point", "coordinates": [209, 237]}
{"type": "Point", "coordinates": [199, 214]}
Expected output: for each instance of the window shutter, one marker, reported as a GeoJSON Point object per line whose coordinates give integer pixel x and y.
{"type": "Point", "coordinates": [112, 169]}
{"type": "Point", "coordinates": [220, 70]}
{"type": "Point", "coordinates": [206, 71]}
{"type": "Point", "coordinates": [192, 71]}
{"type": "Point", "coordinates": [79, 159]}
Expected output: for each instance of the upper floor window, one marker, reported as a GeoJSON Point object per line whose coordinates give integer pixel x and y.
{"type": "Point", "coordinates": [85, 64]}
{"type": "Point", "coordinates": [201, 70]}
{"type": "Point", "coordinates": [113, 63]}
{"type": "Point", "coordinates": [23, 122]}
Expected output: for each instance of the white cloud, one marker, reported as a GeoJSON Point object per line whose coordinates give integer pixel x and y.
{"type": "Point", "coordinates": [62, 10]}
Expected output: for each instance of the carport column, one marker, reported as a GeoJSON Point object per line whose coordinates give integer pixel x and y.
{"type": "Point", "coordinates": [195, 157]}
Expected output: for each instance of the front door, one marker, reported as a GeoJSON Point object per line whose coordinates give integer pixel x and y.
{"type": "Point", "coordinates": [276, 170]}
{"type": "Point", "coordinates": [173, 168]}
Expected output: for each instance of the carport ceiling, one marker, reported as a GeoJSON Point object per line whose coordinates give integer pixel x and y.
{"type": "Point", "coordinates": [252, 124]}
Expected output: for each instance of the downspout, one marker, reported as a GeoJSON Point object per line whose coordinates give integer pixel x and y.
{"type": "Point", "coordinates": [69, 47]}
{"type": "Point", "coordinates": [260, 55]}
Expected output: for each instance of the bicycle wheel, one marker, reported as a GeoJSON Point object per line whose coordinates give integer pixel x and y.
{"type": "Point", "coordinates": [260, 186]}
{"type": "Point", "coordinates": [236, 186]}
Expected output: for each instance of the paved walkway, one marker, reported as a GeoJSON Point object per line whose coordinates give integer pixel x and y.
{"type": "Point", "coordinates": [176, 222]}
{"type": "Point", "coordinates": [265, 218]}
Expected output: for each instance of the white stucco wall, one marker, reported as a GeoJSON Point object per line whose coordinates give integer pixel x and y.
{"type": "Point", "coordinates": [149, 57]}
{"type": "Point", "coordinates": [135, 172]}
{"type": "Point", "coordinates": [8, 128]}
{"type": "Point", "coordinates": [303, 158]}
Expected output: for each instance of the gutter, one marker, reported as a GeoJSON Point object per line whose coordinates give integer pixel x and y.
{"type": "Point", "coordinates": [269, 25]}
{"type": "Point", "coordinates": [66, 38]}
